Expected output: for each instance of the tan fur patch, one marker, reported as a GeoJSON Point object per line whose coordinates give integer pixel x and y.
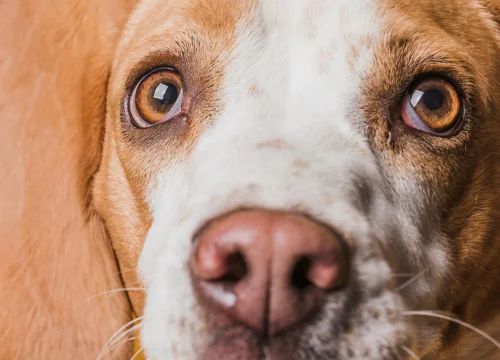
{"type": "Point", "coordinates": [273, 144]}
{"type": "Point", "coordinates": [55, 256]}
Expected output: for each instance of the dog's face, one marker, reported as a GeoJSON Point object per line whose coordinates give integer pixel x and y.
{"type": "Point", "coordinates": [274, 168]}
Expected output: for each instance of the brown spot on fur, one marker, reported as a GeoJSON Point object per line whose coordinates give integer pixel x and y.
{"type": "Point", "coordinates": [255, 90]}
{"type": "Point", "coordinates": [273, 144]}
{"type": "Point", "coordinates": [301, 164]}
{"type": "Point", "coordinates": [325, 58]}
{"type": "Point", "coordinates": [352, 57]}
{"type": "Point", "coordinates": [313, 11]}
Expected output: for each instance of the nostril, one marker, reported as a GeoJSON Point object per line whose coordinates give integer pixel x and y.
{"type": "Point", "coordinates": [236, 270]}
{"type": "Point", "coordinates": [216, 262]}
{"type": "Point", "coordinates": [320, 272]}
{"type": "Point", "coordinates": [300, 274]}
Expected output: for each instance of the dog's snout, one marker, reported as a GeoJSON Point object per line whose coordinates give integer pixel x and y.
{"type": "Point", "coordinates": [267, 270]}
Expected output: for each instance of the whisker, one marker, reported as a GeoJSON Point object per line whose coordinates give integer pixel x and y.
{"type": "Point", "coordinates": [410, 352]}
{"type": "Point", "coordinates": [457, 321]}
{"type": "Point", "coordinates": [117, 334]}
{"type": "Point", "coordinates": [116, 291]}
{"type": "Point", "coordinates": [412, 280]}
{"type": "Point", "coordinates": [137, 354]}
{"type": "Point", "coordinates": [118, 344]}
{"type": "Point", "coordinates": [124, 332]}
{"type": "Point", "coordinates": [115, 343]}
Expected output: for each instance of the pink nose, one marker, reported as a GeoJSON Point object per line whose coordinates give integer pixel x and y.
{"type": "Point", "coordinates": [267, 270]}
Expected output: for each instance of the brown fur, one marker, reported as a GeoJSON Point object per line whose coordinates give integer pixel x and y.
{"type": "Point", "coordinates": [456, 170]}
{"type": "Point", "coordinates": [54, 252]}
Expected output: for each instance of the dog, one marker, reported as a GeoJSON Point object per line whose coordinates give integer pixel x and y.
{"type": "Point", "coordinates": [278, 180]}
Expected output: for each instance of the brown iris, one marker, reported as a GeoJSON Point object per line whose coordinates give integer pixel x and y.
{"type": "Point", "coordinates": [156, 98]}
{"type": "Point", "coordinates": [436, 103]}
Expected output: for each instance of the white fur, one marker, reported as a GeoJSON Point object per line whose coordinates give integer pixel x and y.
{"type": "Point", "coordinates": [307, 102]}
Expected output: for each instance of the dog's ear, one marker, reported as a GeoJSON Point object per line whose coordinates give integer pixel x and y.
{"type": "Point", "coordinates": [55, 58]}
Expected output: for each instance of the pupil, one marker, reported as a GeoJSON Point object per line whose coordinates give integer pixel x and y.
{"type": "Point", "coordinates": [433, 99]}
{"type": "Point", "coordinates": [165, 93]}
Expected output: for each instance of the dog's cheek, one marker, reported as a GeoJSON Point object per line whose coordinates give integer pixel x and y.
{"type": "Point", "coordinates": [173, 324]}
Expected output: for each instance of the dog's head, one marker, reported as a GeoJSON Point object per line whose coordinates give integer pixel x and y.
{"type": "Point", "coordinates": [294, 179]}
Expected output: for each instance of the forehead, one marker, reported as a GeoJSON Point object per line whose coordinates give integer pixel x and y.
{"type": "Point", "coordinates": [208, 31]}
{"type": "Point", "coordinates": [295, 56]}
{"type": "Point", "coordinates": [157, 25]}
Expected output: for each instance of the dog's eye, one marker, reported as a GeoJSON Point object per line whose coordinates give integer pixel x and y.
{"type": "Point", "coordinates": [156, 98]}
{"type": "Point", "coordinates": [433, 106]}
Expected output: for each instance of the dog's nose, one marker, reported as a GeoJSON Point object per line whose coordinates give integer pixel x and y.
{"type": "Point", "coordinates": [268, 270]}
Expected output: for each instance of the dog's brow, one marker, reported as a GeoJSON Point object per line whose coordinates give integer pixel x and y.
{"type": "Point", "coordinates": [412, 56]}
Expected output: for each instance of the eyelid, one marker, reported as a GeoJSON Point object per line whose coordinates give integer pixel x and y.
{"type": "Point", "coordinates": [153, 61]}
